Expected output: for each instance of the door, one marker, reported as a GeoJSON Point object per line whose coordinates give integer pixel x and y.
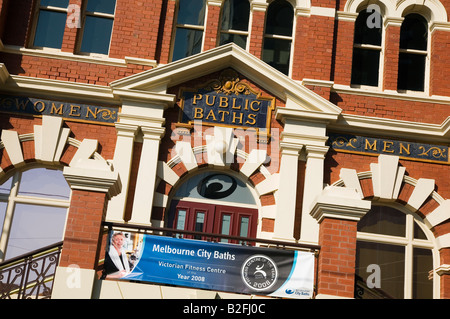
{"type": "Point", "coordinates": [217, 219]}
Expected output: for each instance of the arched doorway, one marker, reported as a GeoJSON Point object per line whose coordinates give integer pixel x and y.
{"type": "Point", "coordinates": [214, 201]}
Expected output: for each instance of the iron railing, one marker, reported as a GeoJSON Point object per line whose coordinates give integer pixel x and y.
{"type": "Point", "coordinates": [30, 276]}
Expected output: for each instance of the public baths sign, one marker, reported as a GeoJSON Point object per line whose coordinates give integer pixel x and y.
{"type": "Point", "coordinates": [226, 101]}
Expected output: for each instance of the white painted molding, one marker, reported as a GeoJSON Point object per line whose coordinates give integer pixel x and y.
{"type": "Point", "coordinates": [443, 241]}
{"type": "Point", "coordinates": [340, 203]}
{"type": "Point", "coordinates": [50, 139]}
{"type": "Point", "coordinates": [165, 173]}
{"type": "Point", "coordinates": [351, 180]}
{"type": "Point", "coordinates": [85, 151]}
{"type": "Point", "coordinates": [184, 151]}
{"type": "Point", "coordinates": [421, 192]}
{"type": "Point", "coordinates": [12, 145]}
{"type": "Point", "coordinates": [93, 179]}
{"type": "Point", "coordinates": [439, 215]}
{"type": "Point", "coordinates": [254, 160]}
{"type": "Point", "coordinates": [269, 185]}
{"type": "Point", "coordinates": [387, 177]}
{"type": "Point", "coordinates": [443, 269]}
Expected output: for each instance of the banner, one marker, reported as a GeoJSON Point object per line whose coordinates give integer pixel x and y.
{"type": "Point", "coordinates": [217, 266]}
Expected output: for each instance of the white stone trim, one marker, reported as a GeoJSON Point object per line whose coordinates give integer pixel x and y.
{"type": "Point", "coordinates": [12, 145]}
{"type": "Point", "coordinates": [439, 215]}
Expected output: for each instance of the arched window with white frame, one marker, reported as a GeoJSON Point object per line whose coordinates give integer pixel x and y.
{"type": "Point", "coordinates": [33, 210]}
{"type": "Point", "coordinates": [234, 22]}
{"type": "Point", "coordinates": [413, 55]}
{"type": "Point", "coordinates": [278, 35]}
{"type": "Point", "coordinates": [189, 28]}
{"type": "Point", "coordinates": [395, 255]}
{"type": "Point", "coordinates": [367, 48]}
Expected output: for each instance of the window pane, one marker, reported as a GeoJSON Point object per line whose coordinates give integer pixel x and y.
{"type": "Point", "coordinates": [191, 12]}
{"type": "Point", "coordinates": [244, 225]}
{"type": "Point", "coordinates": [199, 223]}
{"type": "Point", "coordinates": [280, 17]}
{"type": "Point", "coordinates": [55, 3]}
{"type": "Point", "coordinates": [383, 220]}
{"type": "Point", "coordinates": [276, 53]}
{"type": "Point", "coordinates": [5, 188]}
{"type": "Point", "coordinates": [187, 43]}
{"type": "Point", "coordinates": [365, 67]}
{"type": "Point", "coordinates": [34, 227]}
{"type": "Point", "coordinates": [181, 220]}
{"type": "Point", "coordinates": [97, 35]}
{"type": "Point", "coordinates": [418, 232]}
{"type": "Point", "coordinates": [41, 182]}
{"type": "Point", "coordinates": [3, 206]}
{"type": "Point", "coordinates": [235, 15]}
{"type": "Point", "coordinates": [391, 262]}
{"type": "Point", "coordinates": [225, 228]}
{"type": "Point", "coordinates": [411, 72]}
{"type": "Point", "coordinates": [422, 265]}
{"type": "Point", "coordinates": [50, 29]}
{"type": "Point", "coordinates": [414, 32]}
{"type": "Point", "coordinates": [363, 33]}
{"type": "Point", "coordinates": [104, 6]}
{"type": "Point", "coordinates": [240, 40]}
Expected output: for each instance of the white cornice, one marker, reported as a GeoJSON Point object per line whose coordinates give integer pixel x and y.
{"type": "Point", "coordinates": [59, 89]}
{"type": "Point", "coordinates": [56, 54]}
{"type": "Point", "coordinates": [391, 127]}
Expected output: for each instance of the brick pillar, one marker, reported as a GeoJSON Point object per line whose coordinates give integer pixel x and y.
{"type": "Point", "coordinates": [91, 190]}
{"type": "Point", "coordinates": [72, 26]}
{"type": "Point", "coordinates": [391, 52]}
{"type": "Point", "coordinates": [212, 24]}
{"type": "Point", "coordinates": [439, 67]}
{"type": "Point", "coordinates": [444, 272]}
{"type": "Point", "coordinates": [257, 28]}
{"type": "Point", "coordinates": [168, 14]}
{"type": "Point", "coordinates": [342, 73]}
{"type": "Point", "coordinates": [338, 210]}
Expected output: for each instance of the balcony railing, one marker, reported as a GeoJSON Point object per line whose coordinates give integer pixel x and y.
{"type": "Point", "coordinates": [30, 276]}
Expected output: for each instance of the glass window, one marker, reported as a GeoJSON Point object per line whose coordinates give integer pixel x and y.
{"type": "Point", "coordinates": [234, 22]}
{"type": "Point", "coordinates": [278, 35]}
{"type": "Point", "coordinates": [33, 210]}
{"type": "Point", "coordinates": [51, 22]}
{"type": "Point", "coordinates": [366, 50]}
{"type": "Point", "coordinates": [189, 28]}
{"type": "Point", "coordinates": [98, 25]}
{"type": "Point", "coordinates": [413, 53]}
{"type": "Point", "coordinates": [394, 257]}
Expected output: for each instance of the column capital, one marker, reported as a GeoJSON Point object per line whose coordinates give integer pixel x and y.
{"type": "Point", "coordinates": [339, 203]}
{"type": "Point", "coordinates": [103, 181]}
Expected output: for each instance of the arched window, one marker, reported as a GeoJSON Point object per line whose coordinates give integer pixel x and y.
{"type": "Point", "coordinates": [367, 48]}
{"type": "Point", "coordinates": [33, 211]}
{"type": "Point", "coordinates": [234, 22]}
{"type": "Point", "coordinates": [278, 35]}
{"type": "Point", "coordinates": [413, 53]}
{"type": "Point", "coordinates": [214, 202]}
{"type": "Point", "coordinates": [190, 25]}
{"type": "Point", "coordinates": [394, 256]}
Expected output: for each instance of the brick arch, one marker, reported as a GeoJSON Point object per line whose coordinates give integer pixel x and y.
{"type": "Point", "coordinates": [18, 151]}
{"type": "Point", "coordinates": [386, 181]}
{"type": "Point", "coordinates": [175, 169]}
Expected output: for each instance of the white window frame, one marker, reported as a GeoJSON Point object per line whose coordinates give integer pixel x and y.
{"type": "Point", "coordinates": [14, 198]}
{"type": "Point", "coordinates": [237, 32]}
{"type": "Point", "coordinates": [409, 242]}
{"type": "Point", "coordinates": [37, 11]}
{"type": "Point", "coordinates": [187, 26]}
{"type": "Point", "coordinates": [99, 15]}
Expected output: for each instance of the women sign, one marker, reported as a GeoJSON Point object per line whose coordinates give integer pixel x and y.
{"type": "Point", "coordinates": [221, 266]}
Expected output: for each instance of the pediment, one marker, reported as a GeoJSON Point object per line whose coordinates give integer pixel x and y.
{"type": "Point", "coordinates": [299, 101]}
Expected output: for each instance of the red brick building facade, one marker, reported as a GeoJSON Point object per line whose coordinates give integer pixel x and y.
{"type": "Point", "coordinates": [351, 154]}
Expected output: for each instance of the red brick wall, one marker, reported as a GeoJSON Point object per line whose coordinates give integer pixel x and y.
{"type": "Point", "coordinates": [336, 269]}
{"type": "Point", "coordinates": [392, 44]}
{"type": "Point", "coordinates": [83, 229]}
{"type": "Point", "coordinates": [211, 28]}
{"type": "Point", "coordinates": [440, 68]}
{"type": "Point", "coordinates": [257, 33]}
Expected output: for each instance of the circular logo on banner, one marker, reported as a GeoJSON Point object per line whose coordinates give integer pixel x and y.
{"type": "Point", "coordinates": [259, 272]}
